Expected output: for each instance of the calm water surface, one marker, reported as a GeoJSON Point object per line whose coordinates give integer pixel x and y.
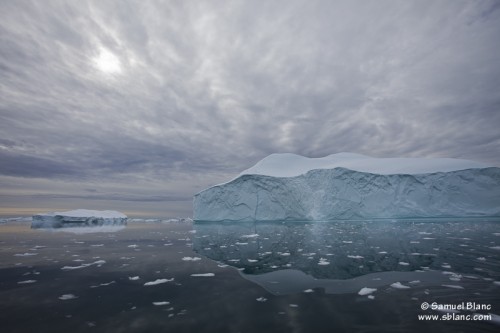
{"type": "Point", "coordinates": [249, 277]}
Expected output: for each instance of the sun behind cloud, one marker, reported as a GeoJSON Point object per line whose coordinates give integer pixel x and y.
{"type": "Point", "coordinates": [107, 62]}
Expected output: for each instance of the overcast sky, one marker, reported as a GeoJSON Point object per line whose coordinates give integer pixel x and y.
{"type": "Point", "coordinates": [137, 105]}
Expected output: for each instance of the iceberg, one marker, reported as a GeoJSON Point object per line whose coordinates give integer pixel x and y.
{"type": "Point", "coordinates": [348, 186]}
{"type": "Point", "coordinates": [78, 218]}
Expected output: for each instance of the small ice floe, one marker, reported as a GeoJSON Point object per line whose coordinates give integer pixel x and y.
{"type": "Point", "coordinates": [222, 265]}
{"type": "Point", "coordinates": [496, 283]}
{"type": "Point", "coordinates": [454, 286]}
{"type": "Point", "coordinates": [98, 263]}
{"type": "Point", "coordinates": [241, 243]}
{"type": "Point", "coordinates": [455, 277]}
{"type": "Point", "coordinates": [97, 245]}
{"type": "Point", "coordinates": [27, 254]}
{"type": "Point", "coordinates": [495, 247]}
{"type": "Point", "coordinates": [191, 258]}
{"type": "Point", "coordinates": [133, 278]}
{"type": "Point", "coordinates": [158, 281]}
{"type": "Point", "coordinates": [284, 254]}
{"type": "Point", "coordinates": [133, 246]}
{"type": "Point", "coordinates": [371, 297]}
{"type": "Point", "coordinates": [347, 242]}
{"type": "Point", "coordinates": [398, 285]}
{"type": "Point", "coordinates": [402, 263]}
{"type": "Point", "coordinates": [323, 261]}
{"type": "Point", "coordinates": [251, 260]}
{"type": "Point", "coordinates": [481, 258]}
{"type": "Point", "coordinates": [261, 299]}
{"type": "Point", "coordinates": [250, 236]}
{"type": "Point", "coordinates": [168, 244]}
{"type": "Point", "coordinates": [26, 282]}
{"type": "Point", "coordinates": [66, 297]}
{"type": "Point", "coordinates": [446, 266]}
{"type": "Point", "coordinates": [203, 275]}
{"type": "Point", "coordinates": [293, 305]}
{"type": "Point", "coordinates": [308, 291]}
{"type": "Point", "coordinates": [414, 282]}
{"type": "Point", "coordinates": [366, 291]}
{"type": "Point", "coordinates": [382, 252]}
{"type": "Point", "coordinates": [103, 284]}
{"type": "Point", "coordinates": [162, 303]}
{"type": "Point", "coordinates": [355, 257]}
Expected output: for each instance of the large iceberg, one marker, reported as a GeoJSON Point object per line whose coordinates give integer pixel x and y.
{"type": "Point", "coordinates": [353, 186]}
{"type": "Point", "coordinates": [79, 217]}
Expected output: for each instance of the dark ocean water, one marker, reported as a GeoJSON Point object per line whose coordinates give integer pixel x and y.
{"type": "Point", "coordinates": [251, 277]}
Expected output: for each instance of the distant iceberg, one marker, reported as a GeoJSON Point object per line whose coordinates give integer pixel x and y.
{"type": "Point", "coordinates": [78, 218]}
{"type": "Point", "coordinates": [353, 186]}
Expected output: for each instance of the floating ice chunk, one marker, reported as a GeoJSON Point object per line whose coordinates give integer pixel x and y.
{"type": "Point", "coordinates": [414, 282]}
{"type": "Point", "coordinates": [250, 236]}
{"type": "Point", "coordinates": [293, 305]}
{"type": "Point", "coordinates": [371, 297]}
{"type": "Point", "coordinates": [241, 243]}
{"type": "Point", "coordinates": [308, 291]}
{"type": "Point", "coordinates": [158, 281]}
{"type": "Point", "coordinates": [133, 278]}
{"type": "Point", "coordinates": [191, 258]}
{"type": "Point", "coordinates": [495, 247]}
{"type": "Point", "coordinates": [323, 261]}
{"type": "Point", "coordinates": [103, 284]}
{"type": "Point", "coordinates": [252, 260]}
{"type": "Point", "coordinates": [261, 299]}
{"type": "Point", "coordinates": [402, 263]}
{"type": "Point", "coordinates": [161, 303]}
{"type": "Point", "coordinates": [496, 283]}
{"type": "Point", "coordinates": [355, 257]}
{"type": "Point", "coordinates": [398, 285]}
{"type": "Point", "coordinates": [481, 258]}
{"type": "Point", "coordinates": [382, 252]}
{"type": "Point", "coordinates": [133, 246]}
{"type": "Point", "coordinates": [203, 275]}
{"type": "Point", "coordinates": [66, 297]}
{"type": "Point", "coordinates": [26, 282]}
{"type": "Point", "coordinates": [366, 291]}
{"type": "Point", "coordinates": [454, 286]}
{"type": "Point", "coordinates": [98, 263]}
{"type": "Point", "coordinates": [27, 254]}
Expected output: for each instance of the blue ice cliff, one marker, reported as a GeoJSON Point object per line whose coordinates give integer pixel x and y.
{"type": "Point", "coordinates": [352, 186]}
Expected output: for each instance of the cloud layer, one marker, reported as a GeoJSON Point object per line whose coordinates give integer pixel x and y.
{"type": "Point", "coordinates": [145, 101]}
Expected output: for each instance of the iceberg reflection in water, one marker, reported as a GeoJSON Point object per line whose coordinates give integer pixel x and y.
{"type": "Point", "coordinates": [346, 256]}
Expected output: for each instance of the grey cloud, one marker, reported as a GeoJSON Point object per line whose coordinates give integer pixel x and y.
{"type": "Point", "coordinates": [208, 88]}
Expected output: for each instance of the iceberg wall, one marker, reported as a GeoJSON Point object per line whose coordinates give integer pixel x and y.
{"type": "Point", "coordinates": [342, 193]}
{"type": "Point", "coordinates": [78, 218]}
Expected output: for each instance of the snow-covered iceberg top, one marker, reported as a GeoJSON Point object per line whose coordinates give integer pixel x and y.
{"type": "Point", "coordinates": [291, 165]}
{"type": "Point", "coordinates": [78, 217]}
{"type": "Point", "coordinates": [353, 186]}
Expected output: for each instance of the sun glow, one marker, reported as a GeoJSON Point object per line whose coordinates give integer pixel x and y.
{"type": "Point", "coordinates": [107, 62]}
